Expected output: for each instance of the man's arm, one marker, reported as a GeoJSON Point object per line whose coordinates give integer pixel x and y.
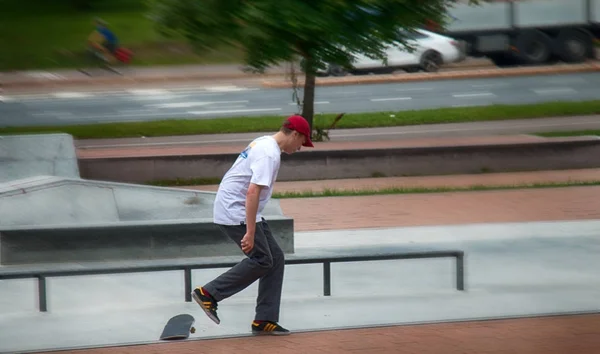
{"type": "Point", "coordinates": [252, 198]}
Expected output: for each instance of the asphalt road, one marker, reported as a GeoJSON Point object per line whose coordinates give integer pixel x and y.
{"type": "Point", "coordinates": [203, 103]}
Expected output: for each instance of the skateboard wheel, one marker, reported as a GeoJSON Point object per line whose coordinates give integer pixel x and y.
{"type": "Point", "coordinates": [193, 330]}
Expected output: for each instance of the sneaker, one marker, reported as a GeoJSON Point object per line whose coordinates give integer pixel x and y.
{"type": "Point", "coordinates": [268, 328]}
{"type": "Point", "coordinates": [208, 304]}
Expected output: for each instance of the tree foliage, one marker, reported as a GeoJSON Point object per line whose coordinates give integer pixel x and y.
{"type": "Point", "coordinates": [316, 31]}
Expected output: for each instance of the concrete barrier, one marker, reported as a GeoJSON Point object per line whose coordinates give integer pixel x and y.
{"type": "Point", "coordinates": [48, 213]}
{"type": "Point", "coordinates": [56, 219]}
{"type": "Point", "coordinates": [24, 156]}
{"type": "Point", "coordinates": [542, 154]}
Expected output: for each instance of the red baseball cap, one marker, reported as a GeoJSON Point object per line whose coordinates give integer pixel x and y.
{"type": "Point", "coordinates": [299, 124]}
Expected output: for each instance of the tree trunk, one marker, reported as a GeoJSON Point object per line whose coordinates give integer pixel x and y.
{"type": "Point", "coordinates": [308, 101]}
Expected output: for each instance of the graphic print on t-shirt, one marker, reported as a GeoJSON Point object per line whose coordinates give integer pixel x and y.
{"type": "Point", "coordinates": [244, 153]}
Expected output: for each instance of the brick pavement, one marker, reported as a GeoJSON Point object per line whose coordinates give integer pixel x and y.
{"type": "Point", "coordinates": [456, 181]}
{"type": "Point", "coordinates": [542, 335]}
{"type": "Point", "coordinates": [570, 203]}
{"type": "Point", "coordinates": [520, 205]}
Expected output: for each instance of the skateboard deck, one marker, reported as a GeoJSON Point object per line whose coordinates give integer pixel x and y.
{"type": "Point", "coordinates": [178, 327]}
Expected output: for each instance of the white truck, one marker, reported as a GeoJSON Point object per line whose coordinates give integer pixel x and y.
{"type": "Point", "coordinates": [526, 32]}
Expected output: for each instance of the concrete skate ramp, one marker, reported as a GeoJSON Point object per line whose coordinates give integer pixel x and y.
{"type": "Point", "coordinates": [23, 156]}
{"type": "Point", "coordinates": [59, 219]}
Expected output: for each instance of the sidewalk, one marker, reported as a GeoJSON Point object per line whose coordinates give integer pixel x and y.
{"type": "Point", "coordinates": [449, 208]}
{"type": "Point", "coordinates": [542, 335]}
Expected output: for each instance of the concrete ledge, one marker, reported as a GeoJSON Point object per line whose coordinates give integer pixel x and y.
{"type": "Point", "coordinates": [448, 75]}
{"type": "Point", "coordinates": [545, 154]}
{"type": "Point", "coordinates": [57, 219]}
{"type": "Point", "coordinates": [126, 241]}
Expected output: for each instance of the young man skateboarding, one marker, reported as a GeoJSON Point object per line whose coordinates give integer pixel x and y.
{"type": "Point", "coordinates": [243, 193]}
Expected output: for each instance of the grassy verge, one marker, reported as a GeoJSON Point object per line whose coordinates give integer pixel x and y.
{"type": "Point", "coordinates": [426, 190]}
{"type": "Point", "coordinates": [569, 133]}
{"type": "Point", "coordinates": [332, 192]}
{"type": "Point", "coordinates": [351, 120]}
{"type": "Point", "coordinates": [43, 34]}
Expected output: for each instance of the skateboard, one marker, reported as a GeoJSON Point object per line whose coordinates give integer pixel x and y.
{"type": "Point", "coordinates": [178, 327]}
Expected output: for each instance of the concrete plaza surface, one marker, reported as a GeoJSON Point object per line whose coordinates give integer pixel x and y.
{"type": "Point", "coordinates": [512, 269]}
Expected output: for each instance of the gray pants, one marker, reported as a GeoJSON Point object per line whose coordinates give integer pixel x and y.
{"type": "Point", "coordinates": [265, 262]}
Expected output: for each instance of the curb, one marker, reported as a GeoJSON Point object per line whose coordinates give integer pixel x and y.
{"type": "Point", "coordinates": [591, 66]}
{"type": "Point", "coordinates": [443, 159]}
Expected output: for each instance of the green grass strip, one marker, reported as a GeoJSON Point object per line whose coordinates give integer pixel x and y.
{"type": "Point", "coordinates": [351, 120]}
{"type": "Point", "coordinates": [427, 190]}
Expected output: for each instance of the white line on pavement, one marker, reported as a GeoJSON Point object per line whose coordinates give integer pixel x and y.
{"type": "Point", "coordinates": [71, 95]}
{"type": "Point", "coordinates": [235, 111]}
{"type": "Point", "coordinates": [471, 95]}
{"type": "Point", "coordinates": [391, 99]}
{"type": "Point", "coordinates": [192, 104]}
{"type": "Point", "coordinates": [318, 102]}
{"type": "Point", "coordinates": [144, 92]}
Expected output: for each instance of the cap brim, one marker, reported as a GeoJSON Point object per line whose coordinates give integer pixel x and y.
{"type": "Point", "coordinates": [308, 143]}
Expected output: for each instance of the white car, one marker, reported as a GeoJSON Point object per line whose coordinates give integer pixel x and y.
{"type": "Point", "coordinates": [431, 51]}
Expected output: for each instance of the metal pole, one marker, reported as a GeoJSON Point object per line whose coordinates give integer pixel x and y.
{"type": "Point", "coordinates": [460, 273]}
{"type": "Point", "coordinates": [187, 275]}
{"type": "Point", "coordinates": [327, 278]}
{"type": "Point", "coordinates": [43, 305]}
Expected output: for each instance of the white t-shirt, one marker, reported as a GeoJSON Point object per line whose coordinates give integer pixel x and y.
{"type": "Point", "coordinates": [259, 164]}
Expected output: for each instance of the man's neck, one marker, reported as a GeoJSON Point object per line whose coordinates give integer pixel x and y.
{"type": "Point", "coordinates": [280, 139]}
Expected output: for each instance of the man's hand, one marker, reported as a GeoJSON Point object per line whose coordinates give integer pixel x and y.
{"type": "Point", "coordinates": [247, 242]}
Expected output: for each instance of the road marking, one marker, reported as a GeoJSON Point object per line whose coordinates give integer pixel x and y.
{"type": "Point", "coordinates": [472, 95]}
{"type": "Point", "coordinates": [133, 115]}
{"type": "Point", "coordinates": [191, 104]}
{"type": "Point", "coordinates": [318, 102]}
{"type": "Point", "coordinates": [6, 99]}
{"type": "Point", "coordinates": [235, 111]}
{"type": "Point", "coordinates": [555, 91]}
{"type": "Point", "coordinates": [70, 95]}
{"type": "Point", "coordinates": [391, 99]}
{"type": "Point", "coordinates": [44, 75]}
{"type": "Point", "coordinates": [228, 89]}
{"type": "Point", "coordinates": [144, 92]}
